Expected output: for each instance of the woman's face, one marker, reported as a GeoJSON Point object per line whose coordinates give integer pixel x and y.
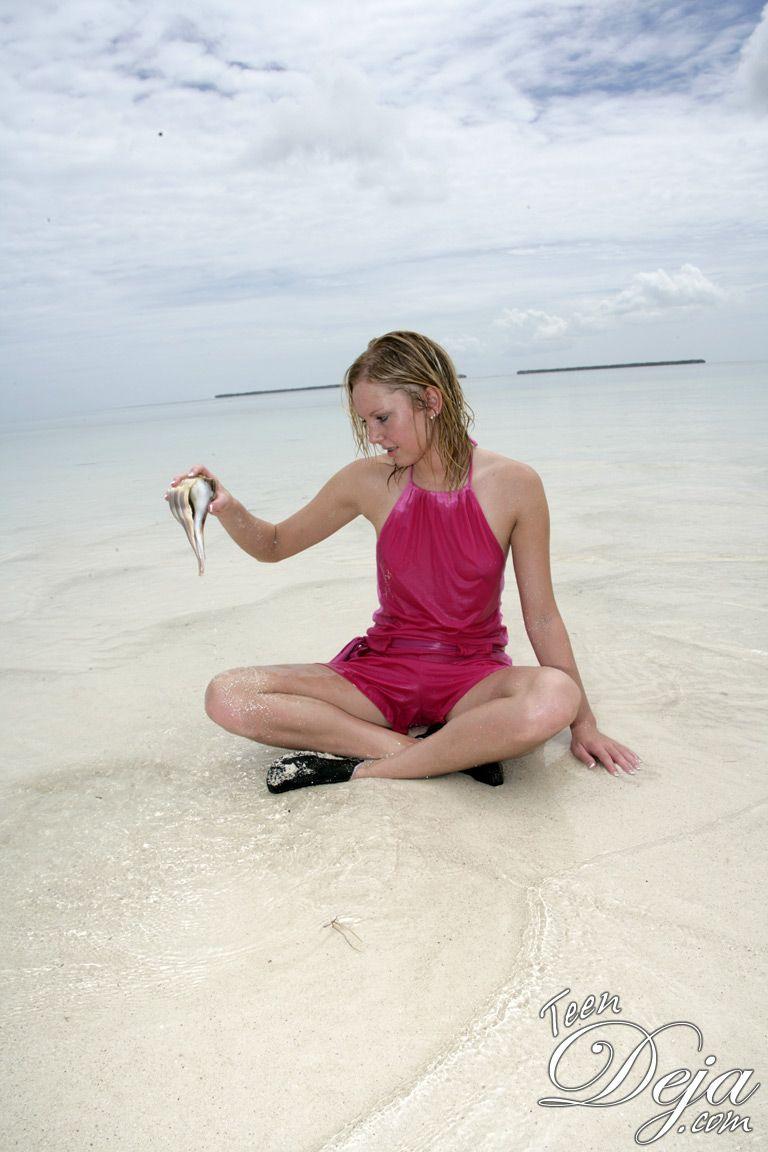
{"type": "Point", "coordinates": [391, 421]}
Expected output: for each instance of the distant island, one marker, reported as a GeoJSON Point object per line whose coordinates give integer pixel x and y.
{"type": "Point", "coordinates": [462, 376]}
{"type": "Point", "coordinates": [595, 367]}
{"type": "Point", "coordinates": [304, 388]}
{"type": "Point", "coordinates": [270, 391]}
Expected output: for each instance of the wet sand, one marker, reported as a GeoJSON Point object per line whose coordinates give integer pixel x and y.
{"type": "Point", "coordinates": [170, 976]}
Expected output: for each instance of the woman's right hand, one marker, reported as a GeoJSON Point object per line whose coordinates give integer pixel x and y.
{"type": "Point", "coordinates": [223, 499]}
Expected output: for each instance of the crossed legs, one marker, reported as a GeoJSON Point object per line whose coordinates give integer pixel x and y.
{"type": "Point", "coordinates": [308, 705]}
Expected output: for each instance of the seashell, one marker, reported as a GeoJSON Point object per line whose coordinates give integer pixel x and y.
{"type": "Point", "coordinates": [189, 502]}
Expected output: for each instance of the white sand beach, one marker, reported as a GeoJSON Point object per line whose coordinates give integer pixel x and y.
{"type": "Point", "coordinates": [170, 976]}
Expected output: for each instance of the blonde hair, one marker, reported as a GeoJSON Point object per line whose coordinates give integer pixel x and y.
{"type": "Point", "coordinates": [408, 362]}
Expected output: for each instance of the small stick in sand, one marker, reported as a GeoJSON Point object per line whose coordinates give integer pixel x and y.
{"type": "Point", "coordinates": [343, 929]}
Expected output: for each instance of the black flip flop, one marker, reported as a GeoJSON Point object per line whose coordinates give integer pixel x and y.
{"type": "Point", "coordinates": [303, 769]}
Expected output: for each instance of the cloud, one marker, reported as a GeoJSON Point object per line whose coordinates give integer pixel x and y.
{"type": "Point", "coordinates": [538, 326]}
{"type": "Point", "coordinates": [753, 68]}
{"type": "Point", "coordinates": [649, 296]}
{"type": "Point", "coordinates": [186, 30]}
{"type": "Point", "coordinates": [332, 171]}
{"type": "Point", "coordinates": [336, 117]}
{"type": "Point", "coordinates": [456, 344]}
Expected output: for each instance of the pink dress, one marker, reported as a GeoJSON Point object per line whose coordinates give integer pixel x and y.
{"type": "Point", "coordinates": [438, 629]}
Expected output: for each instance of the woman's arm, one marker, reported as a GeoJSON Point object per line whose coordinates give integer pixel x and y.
{"type": "Point", "coordinates": [256, 537]}
{"type": "Point", "coordinates": [530, 557]}
{"type": "Point", "coordinates": [335, 505]}
{"type": "Point", "coordinates": [544, 624]}
{"type": "Point", "coordinates": [552, 646]}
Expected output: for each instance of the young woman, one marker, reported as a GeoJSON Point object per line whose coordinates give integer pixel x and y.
{"type": "Point", "coordinates": [446, 513]}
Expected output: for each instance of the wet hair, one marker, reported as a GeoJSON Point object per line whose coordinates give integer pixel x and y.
{"type": "Point", "coordinates": [408, 362]}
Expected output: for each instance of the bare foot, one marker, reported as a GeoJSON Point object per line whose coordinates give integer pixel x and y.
{"type": "Point", "coordinates": [360, 770]}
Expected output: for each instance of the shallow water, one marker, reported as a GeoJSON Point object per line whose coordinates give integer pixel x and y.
{"type": "Point", "coordinates": [168, 960]}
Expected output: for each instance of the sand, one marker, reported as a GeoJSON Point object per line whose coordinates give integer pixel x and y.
{"type": "Point", "coordinates": [171, 976]}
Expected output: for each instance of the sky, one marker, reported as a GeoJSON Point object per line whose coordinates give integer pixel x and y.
{"type": "Point", "coordinates": [240, 195]}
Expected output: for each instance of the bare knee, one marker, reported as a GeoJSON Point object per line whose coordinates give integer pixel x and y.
{"type": "Point", "coordinates": [230, 695]}
{"type": "Point", "coordinates": [215, 697]}
{"type": "Point", "coordinates": [218, 699]}
{"type": "Point", "coordinates": [555, 699]}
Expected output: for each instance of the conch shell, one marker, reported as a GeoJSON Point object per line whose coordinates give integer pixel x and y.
{"type": "Point", "coordinates": [189, 502]}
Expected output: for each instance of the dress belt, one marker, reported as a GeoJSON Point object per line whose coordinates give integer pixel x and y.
{"type": "Point", "coordinates": [420, 644]}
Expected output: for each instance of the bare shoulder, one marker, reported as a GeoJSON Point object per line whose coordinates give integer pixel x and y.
{"type": "Point", "coordinates": [505, 479]}
{"type": "Point", "coordinates": [508, 490]}
{"type": "Point", "coordinates": [503, 469]}
{"type": "Point", "coordinates": [362, 485]}
{"type": "Point", "coordinates": [529, 532]}
{"type": "Point", "coordinates": [376, 487]}
{"type": "Point", "coordinates": [352, 479]}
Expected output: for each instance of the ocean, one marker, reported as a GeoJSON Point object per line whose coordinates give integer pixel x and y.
{"type": "Point", "coordinates": [167, 960]}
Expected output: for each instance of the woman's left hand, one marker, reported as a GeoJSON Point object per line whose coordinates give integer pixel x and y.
{"type": "Point", "coordinates": [590, 746]}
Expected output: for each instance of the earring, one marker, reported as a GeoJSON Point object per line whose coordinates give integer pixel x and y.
{"type": "Point", "coordinates": [434, 414]}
